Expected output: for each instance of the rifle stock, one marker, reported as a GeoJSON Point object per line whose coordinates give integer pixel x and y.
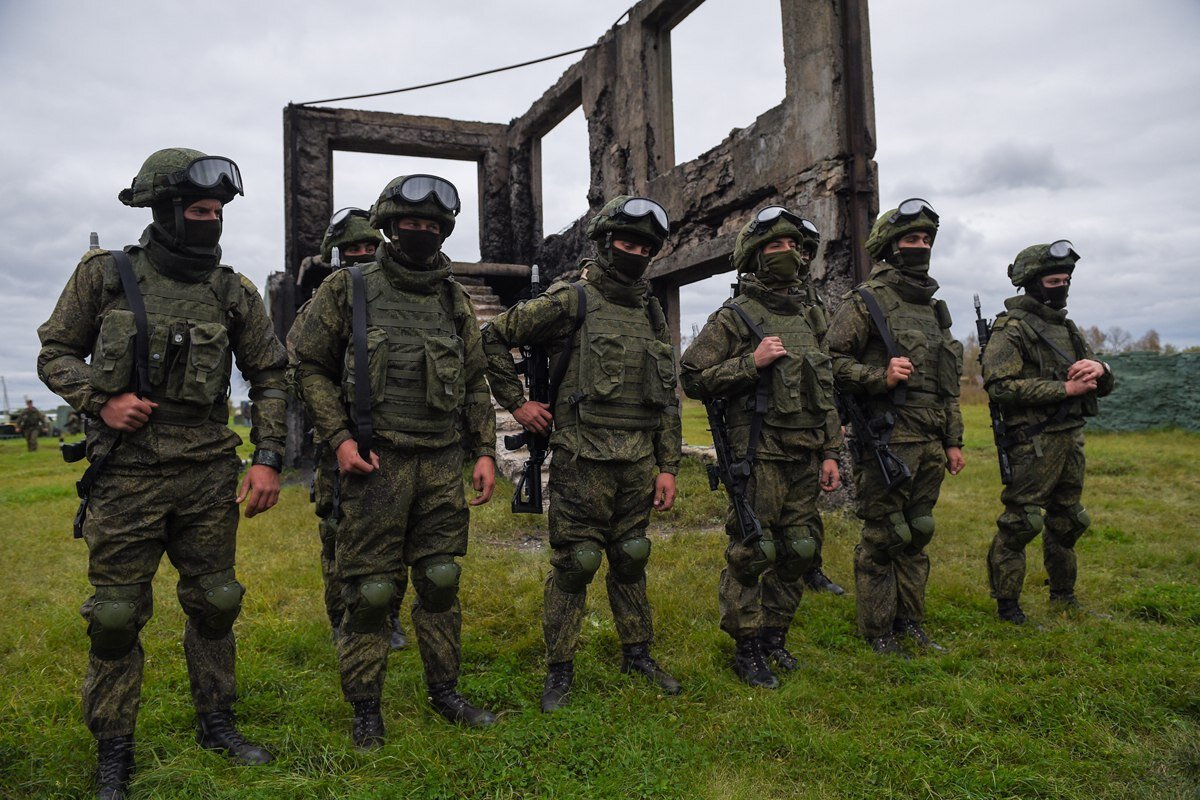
{"type": "Point", "coordinates": [983, 331]}
{"type": "Point", "coordinates": [733, 474]}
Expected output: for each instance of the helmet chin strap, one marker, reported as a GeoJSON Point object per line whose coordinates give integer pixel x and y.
{"type": "Point", "coordinates": [179, 222]}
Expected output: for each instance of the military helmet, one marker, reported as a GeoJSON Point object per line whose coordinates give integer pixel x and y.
{"type": "Point", "coordinates": [423, 196]}
{"type": "Point", "coordinates": [770, 223]}
{"type": "Point", "coordinates": [179, 172]}
{"type": "Point", "coordinates": [1042, 259]}
{"type": "Point", "coordinates": [348, 226]}
{"type": "Point", "coordinates": [638, 217]}
{"type": "Point", "coordinates": [912, 215]}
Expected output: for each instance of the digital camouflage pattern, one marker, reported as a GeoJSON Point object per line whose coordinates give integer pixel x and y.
{"type": "Point", "coordinates": [30, 421]}
{"type": "Point", "coordinates": [1035, 261]}
{"type": "Point", "coordinates": [1025, 376]}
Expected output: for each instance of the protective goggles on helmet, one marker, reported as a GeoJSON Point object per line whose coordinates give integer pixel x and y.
{"type": "Point", "coordinates": [341, 218]}
{"type": "Point", "coordinates": [418, 188]}
{"type": "Point", "coordinates": [208, 172]}
{"type": "Point", "coordinates": [638, 207]}
{"type": "Point", "coordinates": [1062, 249]}
{"type": "Point", "coordinates": [768, 216]}
{"type": "Point", "coordinates": [911, 209]}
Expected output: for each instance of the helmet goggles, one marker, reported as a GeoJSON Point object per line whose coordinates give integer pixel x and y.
{"type": "Point", "coordinates": [768, 216]}
{"type": "Point", "coordinates": [911, 209]}
{"type": "Point", "coordinates": [417, 189]}
{"type": "Point", "coordinates": [341, 218]}
{"type": "Point", "coordinates": [639, 207]}
{"type": "Point", "coordinates": [209, 172]}
{"type": "Point", "coordinates": [1063, 249]}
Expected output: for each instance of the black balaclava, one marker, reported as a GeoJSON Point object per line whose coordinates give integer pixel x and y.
{"type": "Point", "coordinates": [412, 247]}
{"type": "Point", "coordinates": [1055, 298]}
{"type": "Point", "coordinates": [630, 266]}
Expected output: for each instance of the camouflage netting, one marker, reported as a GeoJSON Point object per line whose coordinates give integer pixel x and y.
{"type": "Point", "coordinates": [1152, 391]}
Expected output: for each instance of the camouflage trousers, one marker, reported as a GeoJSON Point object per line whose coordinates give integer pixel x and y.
{"type": "Point", "coordinates": [409, 513]}
{"type": "Point", "coordinates": [600, 504]}
{"type": "Point", "coordinates": [784, 495]}
{"type": "Point", "coordinates": [1047, 474]}
{"type": "Point", "coordinates": [133, 518]}
{"type": "Point", "coordinates": [31, 439]}
{"type": "Point", "coordinates": [891, 567]}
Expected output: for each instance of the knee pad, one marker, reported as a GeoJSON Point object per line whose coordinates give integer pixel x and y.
{"type": "Point", "coordinates": [902, 537]}
{"type": "Point", "coordinates": [113, 622]}
{"type": "Point", "coordinates": [579, 569]}
{"type": "Point", "coordinates": [920, 527]}
{"type": "Point", "coordinates": [749, 562]}
{"type": "Point", "coordinates": [1019, 527]}
{"type": "Point", "coordinates": [796, 552]}
{"type": "Point", "coordinates": [369, 603]}
{"type": "Point", "coordinates": [212, 602]}
{"type": "Point", "coordinates": [436, 582]}
{"type": "Point", "coordinates": [1077, 521]}
{"type": "Point", "coordinates": [627, 559]}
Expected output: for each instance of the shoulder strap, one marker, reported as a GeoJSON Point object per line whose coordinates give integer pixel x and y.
{"type": "Point", "coordinates": [900, 393]}
{"type": "Point", "coordinates": [560, 369]}
{"type": "Point", "coordinates": [762, 391]}
{"type": "Point", "coordinates": [1036, 327]}
{"type": "Point", "coordinates": [362, 371]}
{"type": "Point", "coordinates": [141, 340]}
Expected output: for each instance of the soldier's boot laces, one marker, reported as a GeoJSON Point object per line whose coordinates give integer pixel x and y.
{"type": "Point", "coordinates": [774, 648]}
{"type": "Point", "coordinates": [1010, 611]}
{"type": "Point", "coordinates": [887, 646]}
{"type": "Point", "coordinates": [637, 658]}
{"type": "Point", "coordinates": [556, 692]}
{"type": "Point", "coordinates": [399, 639]}
{"type": "Point", "coordinates": [366, 729]}
{"type": "Point", "coordinates": [456, 708]}
{"type": "Point", "coordinates": [218, 732]}
{"type": "Point", "coordinates": [818, 581]}
{"type": "Point", "coordinates": [750, 665]}
{"type": "Point", "coordinates": [114, 766]}
{"type": "Point", "coordinates": [1068, 603]}
{"type": "Point", "coordinates": [913, 630]}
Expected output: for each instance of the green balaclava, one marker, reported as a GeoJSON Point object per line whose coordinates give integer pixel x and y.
{"type": "Point", "coordinates": [911, 216]}
{"type": "Point", "coordinates": [785, 269]}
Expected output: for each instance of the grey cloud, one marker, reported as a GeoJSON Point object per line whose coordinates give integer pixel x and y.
{"type": "Point", "coordinates": [1016, 165]}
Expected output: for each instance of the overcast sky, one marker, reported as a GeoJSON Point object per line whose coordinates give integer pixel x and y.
{"type": "Point", "coordinates": [1022, 122]}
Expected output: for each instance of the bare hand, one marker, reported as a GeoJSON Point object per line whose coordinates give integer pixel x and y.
{"type": "Point", "coordinates": [351, 463]}
{"type": "Point", "coordinates": [1085, 370]}
{"type": "Point", "coordinates": [898, 369]}
{"type": "Point", "coordinates": [769, 350]}
{"type": "Point", "coordinates": [954, 460]}
{"type": "Point", "coordinates": [831, 478]}
{"type": "Point", "coordinates": [664, 491]}
{"type": "Point", "coordinates": [260, 488]}
{"type": "Point", "coordinates": [1079, 386]}
{"type": "Point", "coordinates": [534, 416]}
{"type": "Point", "coordinates": [483, 479]}
{"type": "Point", "coordinates": [126, 412]}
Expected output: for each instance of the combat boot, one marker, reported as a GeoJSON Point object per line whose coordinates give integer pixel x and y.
{"type": "Point", "coordinates": [366, 729]}
{"type": "Point", "coordinates": [456, 708]}
{"type": "Point", "coordinates": [218, 732]}
{"type": "Point", "coordinates": [556, 692]}
{"type": "Point", "coordinates": [114, 766]}
{"type": "Point", "coordinates": [637, 658]}
{"type": "Point", "coordinates": [774, 649]}
{"type": "Point", "coordinates": [912, 629]}
{"type": "Point", "coordinates": [750, 666]}
{"type": "Point", "coordinates": [398, 639]}
{"type": "Point", "coordinates": [887, 646]}
{"type": "Point", "coordinates": [1010, 611]}
{"type": "Point", "coordinates": [818, 581]}
{"type": "Point", "coordinates": [1066, 602]}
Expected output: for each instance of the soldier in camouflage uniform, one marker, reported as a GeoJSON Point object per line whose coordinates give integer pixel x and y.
{"type": "Point", "coordinates": [919, 388]}
{"type": "Point", "coordinates": [30, 421]}
{"type": "Point", "coordinates": [403, 505]}
{"type": "Point", "coordinates": [797, 448]}
{"type": "Point", "coordinates": [616, 440]}
{"type": "Point", "coordinates": [1041, 372]}
{"type": "Point", "coordinates": [170, 481]}
{"type": "Point", "coordinates": [356, 241]}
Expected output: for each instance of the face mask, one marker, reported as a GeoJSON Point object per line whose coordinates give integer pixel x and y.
{"type": "Point", "coordinates": [783, 269]}
{"type": "Point", "coordinates": [419, 246]}
{"type": "Point", "coordinates": [201, 234]}
{"type": "Point", "coordinates": [360, 259]}
{"type": "Point", "coordinates": [914, 259]}
{"type": "Point", "coordinates": [630, 265]}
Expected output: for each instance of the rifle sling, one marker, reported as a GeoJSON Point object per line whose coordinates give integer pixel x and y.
{"type": "Point", "coordinates": [1021, 435]}
{"type": "Point", "coordinates": [900, 393]}
{"type": "Point", "coordinates": [762, 391]}
{"type": "Point", "coordinates": [362, 371]}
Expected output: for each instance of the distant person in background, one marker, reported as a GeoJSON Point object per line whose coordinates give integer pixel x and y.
{"type": "Point", "coordinates": [1041, 372]}
{"type": "Point", "coordinates": [30, 421]}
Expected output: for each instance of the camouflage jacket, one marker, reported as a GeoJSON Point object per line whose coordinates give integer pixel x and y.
{"type": "Point", "coordinates": [71, 334]}
{"type": "Point", "coordinates": [28, 418]}
{"type": "Point", "coordinates": [548, 319]}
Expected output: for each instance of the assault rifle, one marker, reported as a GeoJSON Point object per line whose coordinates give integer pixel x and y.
{"type": "Point", "coordinates": [535, 366]}
{"type": "Point", "coordinates": [734, 474]}
{"type": "Point", "coordinates": [983, 331]}
{"type": "Point", "coordinates": [870, 436]}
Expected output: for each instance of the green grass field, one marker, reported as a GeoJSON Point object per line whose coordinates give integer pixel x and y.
{"type": "Point", "coordinates": [1085, 708]}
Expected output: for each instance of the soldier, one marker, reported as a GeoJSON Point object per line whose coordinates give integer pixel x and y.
{"type": "Point", "coordinates": [891, 346]}
{"type": "Point", "coordinates": [1041, 372]}
{"type": "Point", "coordinates": [30, 421]}
{"type": "Point", "coordinates": [797, 436]}
{"type": "Point", "coordinates": [356, 242]}
{"type": "Point", "coordinates": [158, 408]}
{"type": "Point", "coordinates": [398, 443]}
{"type": "Point", "coordinates": [616, 441]}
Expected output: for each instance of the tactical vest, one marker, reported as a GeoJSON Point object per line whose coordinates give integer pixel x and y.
{"type": "Point", "coordinates": [416, 358]}
{"type": "Point", "coordinates": [1049, 365]}
{"type": "Point", "coordinates": [620, 375]}
{"type": "Point", "coordinates": [188, 330]}
{"type": "Point", "coordinates": [921, 331]}
{"type": "Point", "coordinates": [801, 381]}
